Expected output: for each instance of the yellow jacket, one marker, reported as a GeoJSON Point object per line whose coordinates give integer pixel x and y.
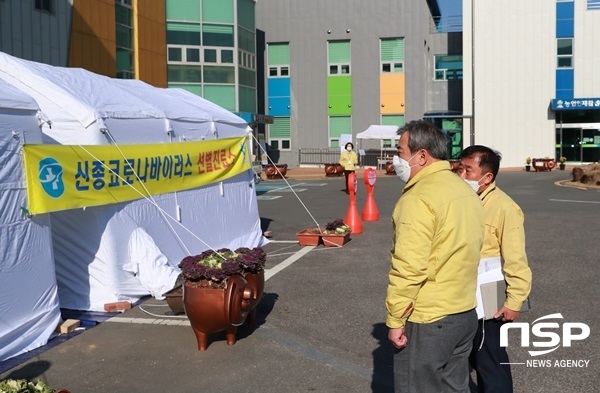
{"type": "Point", "coordinates": [438, 233]}
{"type": "Point", "coordinates": [505, 237]}
{"type": "Point", "coordinates": [348, 160]}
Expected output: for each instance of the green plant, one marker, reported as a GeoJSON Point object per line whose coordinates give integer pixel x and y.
{"type": "Point", "coordinates": [211, 268]}
{"type": "Point", "coordinates": [562, 160]}
{"type": "Point", "coordinates": [528, 160]}
{"type": "Point", "coordinates": [336, 227]}
{"type": "Point", "coordinates": [22, 386]}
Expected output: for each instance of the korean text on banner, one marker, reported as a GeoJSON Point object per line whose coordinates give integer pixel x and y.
{"type": "Point", "coordinates": [63, 177]}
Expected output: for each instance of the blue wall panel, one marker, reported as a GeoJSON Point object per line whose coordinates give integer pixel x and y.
{"type": "Point", "coordinates": [279, 106]}
{"type": "Point", "coordinates": [564, 83]}
{"type": "Point", "coordinates": [278, 87]}
{"type": "Point", "coordinates": [565, 28]}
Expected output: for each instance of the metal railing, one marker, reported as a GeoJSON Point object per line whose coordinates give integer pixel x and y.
{"type": "Point", "coordinates": [322, 156]}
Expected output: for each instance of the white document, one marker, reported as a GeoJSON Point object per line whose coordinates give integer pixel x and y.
{"type": "Point", "coordinates": [490, 270]}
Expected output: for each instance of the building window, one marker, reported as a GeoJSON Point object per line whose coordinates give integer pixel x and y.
{"type": "Point", "coordinates": [392, 55]}
{"type": "Point", "coordinates": [593, 4]}
{"type": "Point", "coordinates": [448, 68]}
{"type": "Point", "coordinates": [124, 27]}
{"type": "Point", "coordinates": [43, 5]}
{"type": "Point", "coordinates": [278, 59]}
{"type": "Point", "coordinates": [564, 52]}
{"type": "Point", "coordinates": [279, 134]}
{"type": "Point", "coordinates": [338, 57]}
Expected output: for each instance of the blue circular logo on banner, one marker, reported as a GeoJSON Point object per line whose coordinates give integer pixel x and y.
{"type": "Point", "coordinates": [50, 175]}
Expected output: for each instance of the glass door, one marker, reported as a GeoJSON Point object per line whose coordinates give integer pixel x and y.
{"type": "Point", "coordinates": [571, 143]}
{"type": "Point", "coordinates": [591, 145]}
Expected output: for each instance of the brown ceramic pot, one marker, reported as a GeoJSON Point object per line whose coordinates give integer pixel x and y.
{"type": "Point", "coordinates": [212, 310]}
{"type": "Point", "coordinates": [330, 170]}
{"type": "Point", "coordinates": [175, 300]}
{"type": "Point", "coordinates": [275, 171]}
{"type": "Point", "coordinates": [256, 282]}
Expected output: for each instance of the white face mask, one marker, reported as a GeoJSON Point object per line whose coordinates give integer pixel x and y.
{"type": "Point", "coordinates": [349, 148]}
{"type": "Point", "coordinates": [474, 183]}
{"type": "Point", "coordinates": [402, 167]}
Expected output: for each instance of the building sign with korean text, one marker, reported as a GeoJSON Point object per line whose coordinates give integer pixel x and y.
{"type": "Point", "coordinates": [576, 104]}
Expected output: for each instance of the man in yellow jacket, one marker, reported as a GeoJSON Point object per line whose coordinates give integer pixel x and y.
{"type": "Point", "coordinates": [503, 250]}
{"type": "Point", "coordinates": [438, 233]}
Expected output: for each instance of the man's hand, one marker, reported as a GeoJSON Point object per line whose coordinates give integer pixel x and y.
{"type": "Point", "coordinates": [507, 314]}
{"type": "Point", "coordinates": [397, 337]}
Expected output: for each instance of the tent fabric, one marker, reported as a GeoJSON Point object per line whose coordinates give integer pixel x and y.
{"type": "Point", "coordinates": [150, 265]}
{"type": "Point", "coordinates": [379, 132]}
{"type": "Point", "coordinates": [29, 307]}
{"type": "Point", "coordinates": [91, 245]}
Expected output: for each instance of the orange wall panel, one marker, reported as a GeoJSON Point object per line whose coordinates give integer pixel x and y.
{"type": "Point", "coordinates": [93, 36]}
{"type": "Point", "coordinates": [151, 42]}
{"type": "Point", "coordinates": [392, 93]}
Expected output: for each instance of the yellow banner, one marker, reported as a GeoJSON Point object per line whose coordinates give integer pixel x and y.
{"type": "Point", "coordinates": [63, 177]}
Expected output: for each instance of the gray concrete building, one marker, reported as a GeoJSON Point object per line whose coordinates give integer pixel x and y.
{"type": "Point", "coordinates": [332, 68]}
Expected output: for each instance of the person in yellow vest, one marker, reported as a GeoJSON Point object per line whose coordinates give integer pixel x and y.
{"type": "Point", "coordinates": [503, 251]}
{"type": "Point", "coordinates": [349, 160]}
{"type": "Point", "coordinates": [438, 232]}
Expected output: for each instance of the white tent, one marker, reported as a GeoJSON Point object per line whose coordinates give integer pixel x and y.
{"type": "Point", "coordinates": [379, 132]}
{"type": "Point", "coordinates": [29, 309]}
{"type": "Point", "coordinates": [93, 246]}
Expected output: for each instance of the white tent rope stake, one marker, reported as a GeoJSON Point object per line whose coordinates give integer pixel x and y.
{"type": "Point", "coordinates": [152, 202]}
{"type": "Point", "coordinates": [288, 184]}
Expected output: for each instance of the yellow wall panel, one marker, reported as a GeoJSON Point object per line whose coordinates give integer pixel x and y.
{"type": "Point", "coordinates": [392, 93]}
{"type": "Point", "coordinates": [93, 36]}
{"type": "Point", "coordinates": [150, 42]}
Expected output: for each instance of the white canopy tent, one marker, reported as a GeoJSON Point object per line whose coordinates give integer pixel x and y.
{"type": "Point", "coordinates": [29, 309]}
{"type": "Point", "coordinates": [94, 248]}
{"type": "Point", "coordinates": [381, 133]}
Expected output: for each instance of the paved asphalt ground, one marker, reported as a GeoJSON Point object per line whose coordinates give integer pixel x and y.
{"type": "Point", "coordinates": [321, 325]}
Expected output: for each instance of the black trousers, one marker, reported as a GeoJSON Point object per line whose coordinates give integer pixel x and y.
{"type": "Point", "coordinates": [492, 377]}
{"type": "Point", "coordinates": [346, 174]}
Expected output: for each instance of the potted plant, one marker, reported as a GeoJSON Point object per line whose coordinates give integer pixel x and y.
{"type": "Point", "coordinates": [23, 386]}
{"type": "Point", "coordinates": [561, 164]}
{"type": "Point", "coordinates": [528, 164]}
{"type": "Point", "coordinates": [336, 233]}
{"type": "Point", "coordinates": [252, 262]}
{"type": "Point", "coordinates": [215, 295]}
{"type": "Point", "coordinates": [309, 237]}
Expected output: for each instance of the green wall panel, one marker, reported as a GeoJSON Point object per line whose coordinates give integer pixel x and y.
{"type": "Point", "coordinates": [247, 99]}
{"type": "Point", "coordinates": [339, 125]}
{"type": "Point", "coordinates": [339, 95]}
{"type": "Point", "coordinates": [245, 9]}
{"type": "Point", "coordinates": [280, 128]}
{"type": "Point", "coordinates": [196, 89]}
{"type": "Point", "coordinates": [339, 52]}
{"type": "Point", "coordinates": [217, 11]}
{"type": "Point", "coordinates": [392, 49]}
{"type": "Point", "coordinates": [392, 120]}
{"type": "Point", "coordinates": [184, 10]}
{"type": "Point", "coordinates": [278, 54]}
{"type": "Point", "coordinates": [339, 85]}
{"type": "Point", "coordinates": [221, 95]}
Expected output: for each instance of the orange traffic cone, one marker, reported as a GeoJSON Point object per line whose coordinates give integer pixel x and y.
{"type": "Point", "coordinates": [370, 212]}
{"type": "Point", "coordinates": [352, 217]}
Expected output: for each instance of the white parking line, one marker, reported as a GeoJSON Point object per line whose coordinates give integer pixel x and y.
{"type": "Point", "coordinates": [567, 200]}
{"type": "Point", "coordinates": [273, 271]}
